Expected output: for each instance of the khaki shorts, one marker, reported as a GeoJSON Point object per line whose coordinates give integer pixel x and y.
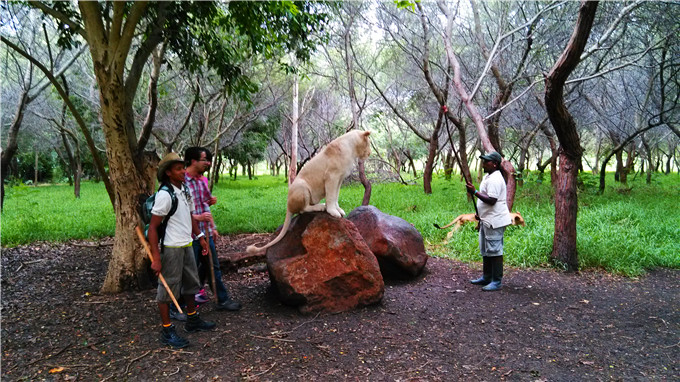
{"type": "Point", "coordinates": [179, 271]}
{"type": "Point", "coordinates": [491, 240]}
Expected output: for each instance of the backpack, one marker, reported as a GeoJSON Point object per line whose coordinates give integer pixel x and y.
{"type": "Point", "coordinates": [146, 205]}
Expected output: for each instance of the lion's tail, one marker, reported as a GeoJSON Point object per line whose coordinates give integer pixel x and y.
{"type": "Point", "coordinates": [452, 223]}
{"type": "Point", "coordinates": [253, 250]}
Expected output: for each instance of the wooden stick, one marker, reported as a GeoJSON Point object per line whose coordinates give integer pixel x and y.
{"type": "Point", "coordinates": [140, 234]}
{"type": "Point", "coordinates": [212, 271]}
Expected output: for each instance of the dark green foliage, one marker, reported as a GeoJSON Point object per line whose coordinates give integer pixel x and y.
{"type": "Point", "coordinates": [66, 32]}
{"type": "Point", "coordinates": [251, 148]}
{"type": "Point", "coordinates": [588, 182]}
{"type": "Point", "coordinates": [23, 167]}
{"type": "Point", "coordinates": [225, 38]}
{"type": "Point", "coordinates": [221, 37]}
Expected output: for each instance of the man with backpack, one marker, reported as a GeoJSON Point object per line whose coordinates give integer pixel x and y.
{"type": "Point", "coordinates": [170, 239]}
{"type": "Point", "coordinates": [197, 160]}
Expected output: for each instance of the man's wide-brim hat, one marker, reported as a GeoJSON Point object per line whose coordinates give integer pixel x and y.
{"type": "Point", "coordinates": [166, 162]}
{"type": "Point", "coordinates": [492, 156]}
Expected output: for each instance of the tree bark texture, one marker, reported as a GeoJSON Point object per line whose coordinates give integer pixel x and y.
{"type": "Point", "coordinates": [127, 268]}
{"type": "Point", "coordinates": [566, 201]}
{"type": "Point", "coordinates": [109, 47]}
{"type": "Point", "coordinates": [11, 148]}
{"type": "Point", "coordinates": [293, 134]}
{"type": "Point", "coordinates": [431, 153]}
{"type": "Point", "coordinates": [566, 207]}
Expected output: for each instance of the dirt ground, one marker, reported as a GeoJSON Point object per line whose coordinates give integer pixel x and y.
{"type": "Point", "coordinates": [543, 326]}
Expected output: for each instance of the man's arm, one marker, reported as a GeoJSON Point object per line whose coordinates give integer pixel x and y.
{"type": "Point", "coordinates": [153, 243]}
{"type": "Point", "coordinates": [196, 231]}
{"type": "Point", "coordinates": [485, 198]}
{"type": "Point", "coordinates": [480, 195]}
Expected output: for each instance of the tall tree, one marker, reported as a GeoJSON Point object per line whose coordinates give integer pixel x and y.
{"type": "Point", "coordinates": [31, 84]}
{"type": "Point", "coordinates": [123, 35]}
{"type": "Point", "coordinates": [570, 151]}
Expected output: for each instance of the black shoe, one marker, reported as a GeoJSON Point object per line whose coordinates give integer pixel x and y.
{"type": "Point", "coordinates": [486, 272]}
{"type": "Point", "coordinates": [196, 324]}
{"type": "Point", "coordinates": [169, 337]}
{"type": "Point", "coordinates": [480, 281]}
{"type": "Point", "coordinates": [493, 286]}
{"type": "Point", "coordinates": [229, 305]}
{"type": "Point", "coordinates": [496, 274]}
{"type": "Point", "coordinates": [176, 315]}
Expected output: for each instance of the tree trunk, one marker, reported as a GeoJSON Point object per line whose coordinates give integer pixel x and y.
{"type": "Point", "coordinates": [619, 165]}
{"type": "Point", "coordinates": [566, 200]}
{"type": "Point", "coordinates": [448, 164]}
{"type": "Point", "coordinates": [11, 148]}
{"type": "Point", "coordinates": [109, 49]}
{"type": "Point", "coordinates": [218, 168]}
{"type": "Point", "coordinates": [597, 155]}
{"type": "Point", "coordinates": [74, 161]}
{"type": "Point", "coordinates": [431, 153]}
{"type": "Point", "coordinates": [292, 172]}
{"type": "Point", "coordinates": [77, 178]}
{"type": "Point", "coordinates": [649, 158]}
{"type": "Point", "coordinates": [411, 163]}
{"type": "Point", "coordinates": [566, 208]}
{"type": "Point", "coordinates": [35, 167]}
{"type": "Point", "coordinates": [520, 166]}
{"type": "Point", "coordinates": [462, 154]}
{"type": "Point", "coordinates": [630, 160]}
{"type": "Point", "coordinates": [471, 108]}
{"type": "Point", "coordinates": [127, 268]}
{"type": "Point", "coordinates": [524, 153]}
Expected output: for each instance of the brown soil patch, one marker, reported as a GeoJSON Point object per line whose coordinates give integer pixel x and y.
{"type": "Point", "coordinates": [543, 326]}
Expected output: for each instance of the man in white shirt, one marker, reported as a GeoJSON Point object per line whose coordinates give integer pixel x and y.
{"type": "Point", "coordinates": [176, 259]}
{"type": "Point", "coordinates": [494, 217]}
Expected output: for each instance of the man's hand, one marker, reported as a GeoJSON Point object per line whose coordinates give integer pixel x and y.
{"type": "Point", "coordinates": [156, 267]}
{"type": "Point", "coordinates": [204, 217]}
{"type": "Point", "coordinates": [213, 200]}
{"type": "Point", "coordinates": [204, 245]}
{"type": "Point", "coordinates": [470, 188]}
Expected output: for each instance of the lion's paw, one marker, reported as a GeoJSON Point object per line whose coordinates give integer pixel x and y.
{"type": "Point", "coordinates": [333, 212]}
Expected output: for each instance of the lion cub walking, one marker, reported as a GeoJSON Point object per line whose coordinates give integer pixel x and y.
{"type": "Point", "coordinates": [321, 178]}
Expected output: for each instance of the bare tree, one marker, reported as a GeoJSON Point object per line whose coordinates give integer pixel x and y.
{"type": "Point", "coordinates": [570, 151]}
{"type": "Point", "coordinates": [30, 87]}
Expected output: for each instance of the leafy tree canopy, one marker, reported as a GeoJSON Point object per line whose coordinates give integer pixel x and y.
{"type": "Point", "coordinates": [216, 35]}
{"type": "Point", "coordinates": [251, 147]}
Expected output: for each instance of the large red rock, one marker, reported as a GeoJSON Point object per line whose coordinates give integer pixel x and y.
{"type": "Point", "coordinates": [398, 246]}
{"type": "Point", "coordinates": [323, 264]}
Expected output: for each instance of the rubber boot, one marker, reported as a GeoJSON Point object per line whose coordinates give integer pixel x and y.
{"type": "Point", "coordinates": [169, 337]}
{"type": "Point", "coordinates": [196, 324]}
{"type": "Point", "coordinates": [496, 274]}
{"type": "Point", "coordinates": [486, 272]}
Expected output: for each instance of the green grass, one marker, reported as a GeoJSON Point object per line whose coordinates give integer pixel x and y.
{"type": "Point", "coordinates": [622, 231]}
{"type": "Point", "coordinates": [53, 213]}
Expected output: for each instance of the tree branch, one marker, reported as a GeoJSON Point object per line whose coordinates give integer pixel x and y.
{"type": "Point", "coordinates": [79, 119]}
{"type": "Point", "coordinates": [77, 28]}
{"type": "Point", "coordinates": [605, 36]}
{"type": "Point", "coordinates": [153, 99]}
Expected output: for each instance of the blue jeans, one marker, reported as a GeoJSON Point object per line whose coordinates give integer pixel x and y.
{"type": "Point", "coordinates": [204, 268]}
